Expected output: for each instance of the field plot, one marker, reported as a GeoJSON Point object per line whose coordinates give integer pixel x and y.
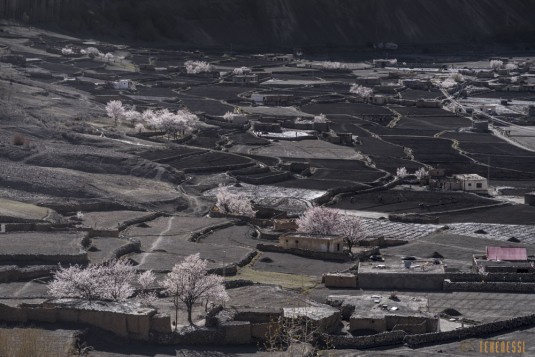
{"type": "Point", "coordinates": [401, 201]}
{"type": "Point", "coordinates": [433, 123]}
{"type": "Point", "coordinates": [110, 219]}
{"type": "Point", "coordinates": [430, 150]}
{"type": "Point", "coordinates": [415, 111]}
{"type": "Point", "coordinates": [358, 109]}
{"type": "Point", "coordinates": [391, 164]}
{"type": "Point", "coordinates": [378, 147]}
{"type": "Point", "coordinates": [42, 247]}
{"type": "Point", "coordinates": [320, 184]}
{"type": "Point", "coordinates": [208, 106]}
{"type": "Point", "coordinates": [347, 175]}
{"type": "Point", "coordinates": [218, 92]}
{"type": "Point", "coordinates": [307, 149]}
{"type": "Point", "coordinates": [24, 341]}
{"type": "Point", "coordinates": [165, 241]}
{"type": "Point", "coordinates": [284, 263]}
{"type": "Point", "coordinates": [415, 94]}
{"type": "Point", "coordinates": [14, 211]}
{"type": "Point", "coordinates": [213, 160]}
{"type": "Point", "coordinates": [516, 214]}
{"type": "Point", "coordinates": [247, 139]}
{"type": "Point", "coordinates": [163, 154]}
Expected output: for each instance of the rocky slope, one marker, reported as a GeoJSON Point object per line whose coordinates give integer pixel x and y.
{"type": "Point", "coordinates": [286, 23]}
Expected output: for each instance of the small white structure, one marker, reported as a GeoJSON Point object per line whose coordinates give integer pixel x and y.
{"type": "Point", "coordinates": [123, 84]}
{"type": "Point", "coordinates": [472, 182]}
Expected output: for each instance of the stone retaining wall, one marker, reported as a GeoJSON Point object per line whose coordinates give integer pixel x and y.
{"type": "Point", "coordinates": [491, 277]}
{"type": "Point", "coordinates": [303, 253]}
{"type": "Point", "coordinates": [15, 273]}
{"type": "Point", "coordinates": [380, 339]}
{"type": "Point", "coordinates": [276, 177]}
{"type": "Point", "coordinates": [515, 287]}
{"type": "Point", "coordinates": [470, 332]}
{"type": "Point", "coordinates": [117, 319]}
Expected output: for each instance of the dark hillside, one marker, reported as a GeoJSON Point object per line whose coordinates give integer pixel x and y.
{"type": "Point", "coordinates": [286, 23]}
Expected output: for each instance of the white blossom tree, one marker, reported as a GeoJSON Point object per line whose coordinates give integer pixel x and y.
{"type": "Point", "coordinates": [139, 128]}
{"type": "Point", "coordinates": [496, 64]}
{"type": "Point", "coordinates": [115, 110]}
{"type": "Point", "coordinates": [421, 173]}
{"type": "Point", "coordinates": [77, 282]}
{"type": "Point", "coordinates": [196, 67]}
{"type": "Point", "coordinates": [112, 281]}
{"type": "Point", "coordinates": [333, 65]}
{"type": "Point", "coordinates": [350, 227]}
{"type": "Point", "coordinates": [67, 51]}
{"type": "Point", "coordinates": [132, 116]}
{"type": "Point", "coordinates": [241, 70]}
{"type": "Point", "coordinates": [401, 172]}
{"type": "Point", "coordinates": [146, 281]}
{"type": "Point", "coordinates": [319, 220]}
{"type": "Point", "coordinates": [361, 91]}
{"type": "Point", "coordinates": [229, 116]}
{"type": "Point", "coordinates": [189, 283]}
{"type": "Point", "coordinates": [511, 66]}
{"type": "Point", "coordinates": [233, 203]}
{"type": "Point", "coordinates": [320, 118]}
{"type": "Point", "coordinates": [116, 278]}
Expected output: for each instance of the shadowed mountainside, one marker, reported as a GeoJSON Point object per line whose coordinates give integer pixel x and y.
{"type": "Point", "coordinates": [285, 23]}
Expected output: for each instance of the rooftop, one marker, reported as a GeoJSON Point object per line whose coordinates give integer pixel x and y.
{"type": "Point", "coordinates": [311, 236]}
{"type": "Point", "coordinates": [379, 305]}
{"type": "Point", "coordinates": [394, 265]}
{"type": "Point", "coordinates": [507, 253]}
{"type": "Point", "coordinates": [474, 177]}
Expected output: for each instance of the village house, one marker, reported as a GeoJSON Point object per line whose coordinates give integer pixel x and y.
{"type": "Point", "coordinates": [245, 79]}
{"type": "Point", "coordinates": [124, 84]}
{"type": "Point", "coordinates": [272, 99]}
{"type": "Point", "coordinates": [504, 260]}
{"type": "Point", "coordinates": [313, 242]}
{"type": "Point", "coordinates": [472, 182]}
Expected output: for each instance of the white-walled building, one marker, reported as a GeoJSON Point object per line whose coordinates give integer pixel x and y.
{"type": "Point", "coordinates": [123, 84]}
{"type": "Point", "coordinates": [472, 182]}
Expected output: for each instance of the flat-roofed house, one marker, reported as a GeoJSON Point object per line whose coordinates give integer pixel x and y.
{"type": "Point", "coordinates": [313, 242]}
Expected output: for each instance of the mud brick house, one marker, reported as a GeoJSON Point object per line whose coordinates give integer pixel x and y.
{"type": "Point", "coordinates": [313, 242]}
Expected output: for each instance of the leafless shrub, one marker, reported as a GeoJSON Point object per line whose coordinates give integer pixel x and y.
{"type": "Point", "coordinates": [18, 139]}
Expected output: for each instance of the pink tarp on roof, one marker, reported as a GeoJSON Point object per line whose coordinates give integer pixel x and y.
{"type": "Point", "coordinates": [502, 253]}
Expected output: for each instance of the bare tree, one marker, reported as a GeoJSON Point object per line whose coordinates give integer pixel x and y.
{"type": "Point", "coordinates": [189, 282]}
{"type": "Point", "coordinates": [351, 229]}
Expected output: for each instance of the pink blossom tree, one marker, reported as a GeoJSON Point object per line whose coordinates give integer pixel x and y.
{"type": "Point", "coordinates": [421, 173]}
{"type": "Point", "coordinates": [77, 282]}
{"type": "Point", "coordinates": [233, 203]}
{"type": "Point", "coordinates": [115, 110]}
{"type": "Point", "coordinates": [146, 281]}
{"type": "Point", "coordinates": [319, 220]}
{"type": "Point", "coordinates": [361, 91]}
{"type": "Point", "coordinates": [350, 227]}
{"type": "Point", "coordinates": [189, 283]}
{"type": "Point", "coordinates": [320, 118]}
{"type": "Point", "coordinates": [112, 281]}
{"type": "Point", "coordinates": [401, 172]}
{"type": "Point", "coordinates": [116, 280]}
{"type": "Point", "coordinates": [196, 67]}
